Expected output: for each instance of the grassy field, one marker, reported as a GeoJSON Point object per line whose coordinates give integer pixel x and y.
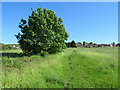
{"type": "Point", "coordinates": [73, 68]}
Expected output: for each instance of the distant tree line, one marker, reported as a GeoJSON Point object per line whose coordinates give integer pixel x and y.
{"type": "Point", "coordinates": [71, 44]}
{"type": "Point", "coordinates": [89, 45]}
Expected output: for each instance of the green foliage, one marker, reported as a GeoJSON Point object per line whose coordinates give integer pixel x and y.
{"type": "Point", "coordinates": [90, 43]}
{"type": "Point", "coordinates": [8, 46]}
{"type": "Point", "coordinates": [1, 46]}
{"type": "Point", "coordinates": [42, 33]}
{"type": "Point", "coordinates": [73, 44]}
{"type": "Point", "coordinates": [113, 44]}
{"type": "Point", "coordinates": [5, 47]}
{"type": "Point", "coordinates": [84, 43]}
{"type": "Point", "coordinates": [6, 61]}
{"type": "Point", "coordinates": [68, 44]}
{"type": "Point", "coordinates": [94, 44]}
{"type": "Point", "coordinates": [11, 63]}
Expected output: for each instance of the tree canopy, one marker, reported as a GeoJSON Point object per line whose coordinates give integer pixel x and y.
{"type": "Point", "coordinates": [73, 44]}
{"type": "Point", "coordinates": [42, 33]}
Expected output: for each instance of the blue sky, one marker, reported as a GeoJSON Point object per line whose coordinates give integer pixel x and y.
{"type": "Point", "coordinates": [84, 21]}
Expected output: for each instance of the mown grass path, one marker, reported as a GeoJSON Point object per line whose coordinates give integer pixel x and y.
{"type": "Point", "coordinates": [73, 68]}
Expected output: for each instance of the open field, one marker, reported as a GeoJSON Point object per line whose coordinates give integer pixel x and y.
{"type": "Point", "coordinates": [73, 68]}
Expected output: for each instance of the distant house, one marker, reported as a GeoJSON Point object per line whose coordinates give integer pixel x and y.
{"type": "Point", "coordinates": [79, 45]}
{"type": "Point", "coordinates": [103, 45]}
{"type": "Point", "coordinates": [94, 45]}
{"type": "Point", "coordinates": [117, 45]}
{"type": "Point", "coordinates": [110, 45]}
{"type": "Point", "coordinates": [114, 45]}
{"type": "Point", "coordinates": [14, 47]}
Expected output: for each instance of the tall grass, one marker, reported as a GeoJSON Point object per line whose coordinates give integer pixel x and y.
{"type": "Point", "coordinates": [73, 68]}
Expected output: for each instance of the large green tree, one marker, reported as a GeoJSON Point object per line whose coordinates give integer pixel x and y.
{"type": "Point", "coordinates": [42, 33]}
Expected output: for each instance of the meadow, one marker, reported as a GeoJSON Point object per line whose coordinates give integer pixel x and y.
{"type": "Point", "coordinates": [73, 68]}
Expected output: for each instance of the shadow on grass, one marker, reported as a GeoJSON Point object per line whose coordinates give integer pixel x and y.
{"type": "Point", "coordinates": [12, 55]}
